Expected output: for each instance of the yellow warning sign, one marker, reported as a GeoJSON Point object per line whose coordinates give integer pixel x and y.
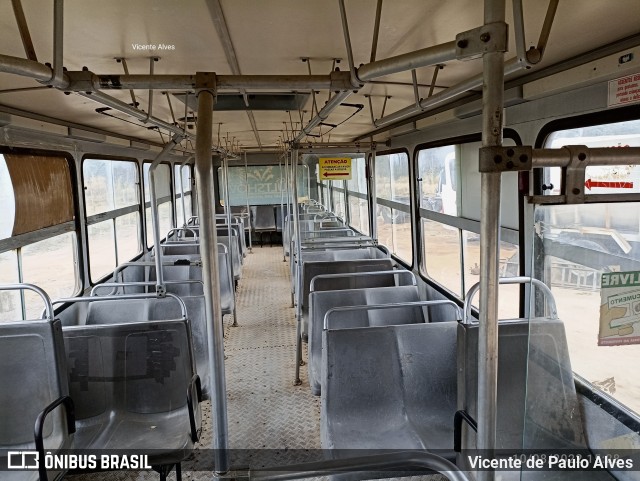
{"type": "Point", "coordinates": [335, 168]}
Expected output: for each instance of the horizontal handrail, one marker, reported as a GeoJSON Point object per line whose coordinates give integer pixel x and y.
{"type": "Point", "coordinates": [393, 272]}
{"type": "Point", "coordinates": [116, 285]}
{"type": "Point", "coordinates": [182, 229]}
{"type": "Point", "coordinates": [48, 306]}
{"type": "Point", "coordinates": [183, 307]}
{"type": "Point", "coordinates": [401, 461]}
{"type": "Point", "coordinates": [512, 280]}
{"type": "Point", "coordinates": [374, 307]}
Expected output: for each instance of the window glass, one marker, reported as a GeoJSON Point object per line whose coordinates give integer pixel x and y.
{"type": "Point", "coordinates": [264, 183]}
{"type": "Point", "coordinates": [392, 184]}
{"type": "Point", "coordinates": [163, 181]}
{"type": "Point", "coordinates": [358, 207]}
{"type": "Point", "coordinates": [337, 197]}
{"type": "Point", "coordinates": [617, 178]}
{"type": "Point", "coordinates": [10, 304]}
{"type": "Point", "coordinates": [109, 185]}
{"type": "Point", "coordinates": [102, 254]}
{"type": "Point", "coordinates": [442, 254]}
{"type": "Point", "coordinates": [186, 178]}
{"type": "Point", "coordinates": [509, 297]}
{"type": "Point", "coordinates": [439, 170]}
{"type": "Point", "coordinates": [128, 236]}
{"type": "Point", "coordinates": [166, 222]}
{"type": "Point", "coordinates": [577, 245]}
{"type": "Point", "coordinates": [49, 264]}
{"type": "Point", "coordinates": [7, 201]}
{"type": "Point", "coordinates": [572, 257]}
{"type": "Point", "coordinates": [450, 185]}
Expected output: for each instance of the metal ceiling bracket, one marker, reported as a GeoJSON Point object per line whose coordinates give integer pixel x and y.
{"type": "Point", "coordinates": [340, 81]}
{"type": "Point", "coordinates": [82, 81]}
{"type": "Point", "coordinates": [505, 159]}
{"type": "Point", "coordinates": [491, 37]}
{"type": "Point", "coordinates": [574, 174]}
{"type": "Point", "coordinates": [206, 81]}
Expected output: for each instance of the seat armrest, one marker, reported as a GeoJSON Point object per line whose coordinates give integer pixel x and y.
{"type": "Point", "coordinates": [194, 397]}
{"type": "Point", "coordinates": [458, 417]}
{"type": "Point", "coordinates": [67, 402]}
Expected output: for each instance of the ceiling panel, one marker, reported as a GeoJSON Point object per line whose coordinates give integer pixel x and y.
{"type": "Point", "coordinates": [271, 37]}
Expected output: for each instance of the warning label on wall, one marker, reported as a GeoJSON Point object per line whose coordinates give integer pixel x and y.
{"type": "Point", "coordinates": [624, 90]}
{"type": "Point", "coordinates": [335, 168]}
{"type": "Point", "coordinates": [619, 309]}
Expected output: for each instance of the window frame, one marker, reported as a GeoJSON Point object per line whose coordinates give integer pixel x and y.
{"type": "Point", "coordinates": [509, 235]}
{"type": "Point", "coordinates": [162, 200]}
{"type": "Point", "coordinates": [112, 214]}
{"type": "Point", "coordinates": [393, 204]}
{"type": "Point", "coordinates": [18, 242]}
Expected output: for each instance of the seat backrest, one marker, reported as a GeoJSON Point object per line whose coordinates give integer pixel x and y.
{"type": "Point", "coordinates": [312, 269]}
{"type": "Point", "coordinates": [180, 250]}
{"type": "Point", "coordinates": [232, 247]}
{"type": "Point", "coordinates": [117, 311]}
{"type": "Point", "coordinates": [264, 218]}
{"type": "Point", "coordinates": [320, 302]}
{"type": "Point", "coordinates": [169, 309]}
{"type": "Point", "coordinates": [535, 383]}
{"type": "Point", "coordinates": [33, 374]}
{"type": "Point", "coordinates": [136, 367]}
{"type": "Point", "coordinates": [394, 379]}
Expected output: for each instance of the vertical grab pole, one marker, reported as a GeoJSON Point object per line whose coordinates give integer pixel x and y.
{"type": "Point", "coordinates": [371, 185]}
{"type": "Point", "coordinates": [184, 208]}
{"type": "Point", "coordinates": [492, 105]}
{"type": "Point", "coordinates": [209, 252]}
{"type": "Point", "coordinates": [287, 196]}
{"type": "Point", "coordinates": [246, 184]}
{"type": "Point", "coordinates": [296, 230]}
{"type": "Point", "coordinates": [232, 245]}
{"type": "Point", "coordinates": [282, 213]}
{"type": "Point", "coordinates": [155, 217]}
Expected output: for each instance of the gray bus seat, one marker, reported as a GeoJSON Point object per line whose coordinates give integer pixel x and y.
{"type": "Point", "coordinates": [33, 386]}
{"type": "Point", "coordinates": [235, 254]}
{"type": "Point", "coordinates": [120, 311]}
{"type": "Point", "coordinates": [264, 220]}
{"type": "Point", "coordinates": [334, 254]}
{"type": "Point", "coordinates": [237, 229]}
{"type": "Point", "coordinates": [562, 427]}
{"type": "Point", "coordinates": [313, 269]}
{"type": "Point", "coordinates": [323, 301]}
{"type": "Point", "coordinates": [135, 388]}
{"type": "Point", "coordinates": [390, 387]}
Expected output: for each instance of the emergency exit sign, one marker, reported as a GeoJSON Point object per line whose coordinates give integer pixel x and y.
{"type": "Point", "coordinates": [335, 168]}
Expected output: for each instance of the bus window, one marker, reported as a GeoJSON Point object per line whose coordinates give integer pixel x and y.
{"type": "Point", "coordinates": [392, 193]}
{"type": "Point", "coordinates": [357, 196]}
{"type": "Point", "coordinates": [186, 187]}
{"type": "Point", "coordinates": [576, 245]}
{"type": "Point", "coordinates": [451, 254]}
{"type": "Point", "coordinates": [37, 238]}
{"type": "Point", "coordinates": [163, 192]}
{"type": "Point", "coordinates": [111, 188]}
